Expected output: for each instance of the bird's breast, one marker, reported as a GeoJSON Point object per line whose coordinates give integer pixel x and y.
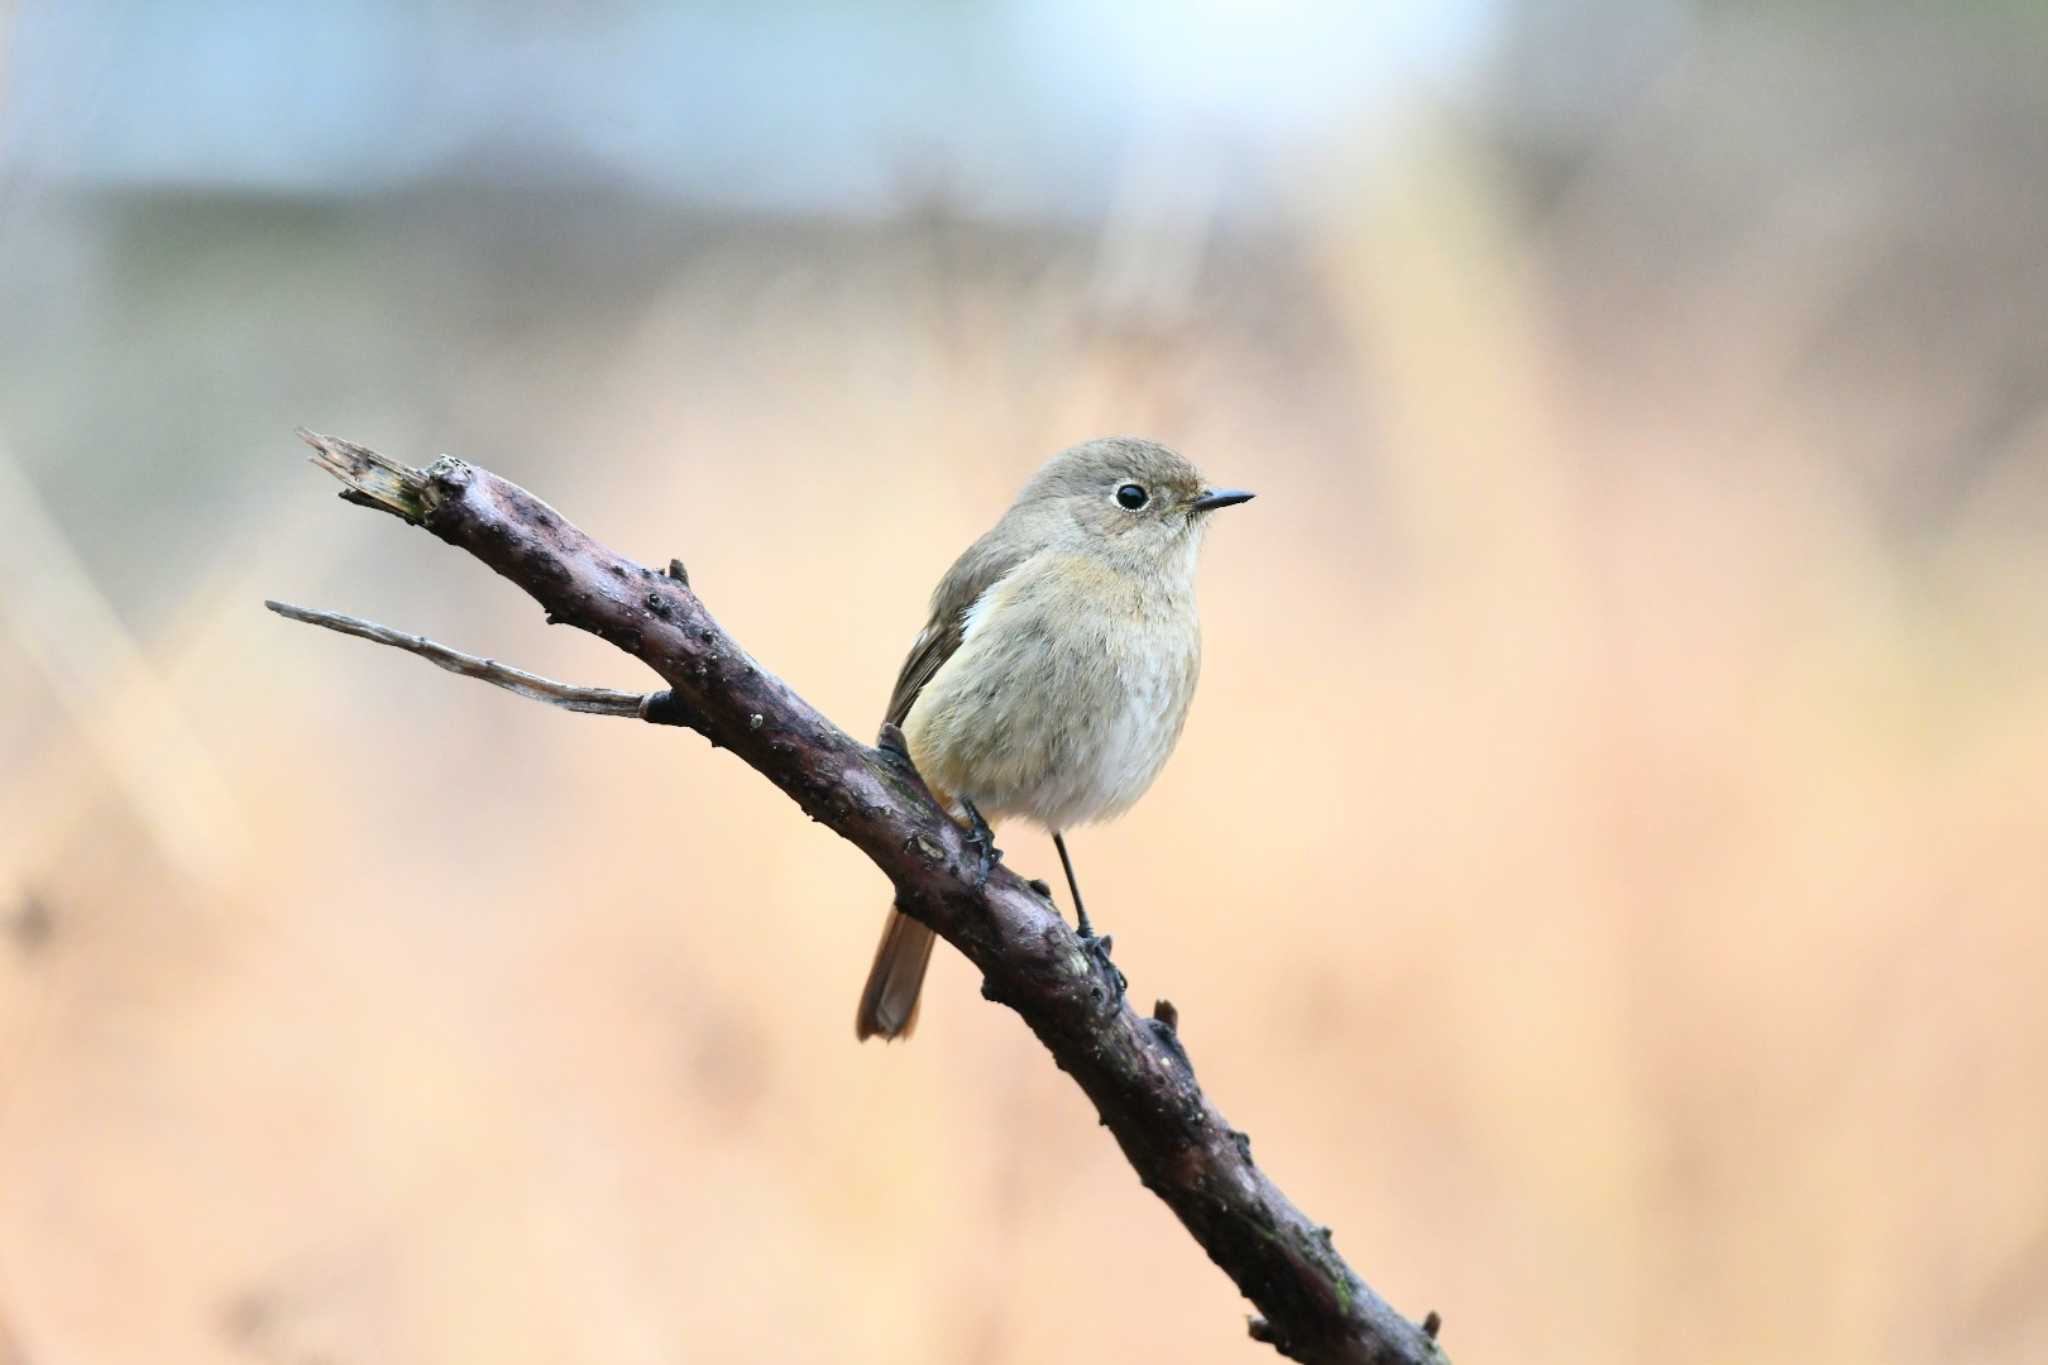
{"type": "Point", "coordinates": [1065, 698]}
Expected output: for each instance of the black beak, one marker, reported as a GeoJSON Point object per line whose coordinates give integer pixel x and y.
{"type": "Point", "coordinates": [1220, 497]}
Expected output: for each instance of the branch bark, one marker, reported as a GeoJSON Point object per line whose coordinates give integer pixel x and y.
{"type": "Point", "coordinates": [1134, 1070]}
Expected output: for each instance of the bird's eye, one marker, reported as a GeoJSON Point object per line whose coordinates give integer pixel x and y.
{"type": "Point", "coordinates": [1131, 497]}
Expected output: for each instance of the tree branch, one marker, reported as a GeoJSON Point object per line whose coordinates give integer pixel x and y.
{"type": "Point", "coordinates": [1134, 1070]}
{"type": "Point", "coordinates": [593, 701]}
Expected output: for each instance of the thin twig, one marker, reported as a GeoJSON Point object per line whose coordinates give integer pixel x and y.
{"type": "Point", "coordinates": [591, 701]}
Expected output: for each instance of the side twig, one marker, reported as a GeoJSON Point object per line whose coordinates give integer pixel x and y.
{"type": "Point", "coordinates": [592, 701]}
{"type": "Point", "coordinates": [1134, 1070]}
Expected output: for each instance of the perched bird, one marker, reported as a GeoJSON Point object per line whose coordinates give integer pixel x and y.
{"type": "Point", "coordinates": [1054, 675]}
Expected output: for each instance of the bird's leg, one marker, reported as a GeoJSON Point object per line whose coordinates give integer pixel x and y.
{"type": "Point", "coordinates": [1080, 911]}
{"type": "Point", "coordinates": [982, 840]}
{"type": "Point", "coordinates": [1096, 945]}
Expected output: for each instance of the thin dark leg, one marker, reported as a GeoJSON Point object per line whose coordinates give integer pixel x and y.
{"type": "Point", "coordinates": [1080, 911]}
{"type": "Point", "coordinates": [1097, 945]}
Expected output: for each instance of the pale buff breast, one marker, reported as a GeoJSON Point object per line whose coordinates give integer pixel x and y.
{"type": "Point", "coordinates": [1066, 695]}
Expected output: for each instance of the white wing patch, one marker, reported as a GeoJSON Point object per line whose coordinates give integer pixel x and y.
{"type": "Point", "coordinates": [978, 609]}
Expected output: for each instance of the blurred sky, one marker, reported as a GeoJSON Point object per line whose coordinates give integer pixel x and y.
{"type": "Point", "coordinates": [1025, 108]}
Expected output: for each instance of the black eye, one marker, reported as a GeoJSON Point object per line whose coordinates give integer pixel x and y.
{"type": "Point", "coordinates": [1130, 496]}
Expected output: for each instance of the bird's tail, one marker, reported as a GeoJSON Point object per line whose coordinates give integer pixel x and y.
{"type": "Point", "coordinates": [888, 1005]}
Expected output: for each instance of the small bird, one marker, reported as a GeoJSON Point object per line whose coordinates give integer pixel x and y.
{"type": "Point", "coordinates": [1054, 675]}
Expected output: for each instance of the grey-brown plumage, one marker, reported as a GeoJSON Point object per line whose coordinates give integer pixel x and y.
{"type": "Point", "coordinates": [1053, 676]}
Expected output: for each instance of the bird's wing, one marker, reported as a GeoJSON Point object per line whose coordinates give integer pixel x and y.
{"type": "Point", "coordinates": [985, 564]}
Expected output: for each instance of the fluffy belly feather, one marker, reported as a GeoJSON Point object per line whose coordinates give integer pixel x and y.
{"type": "Point", "coordinates": [1062, 721]}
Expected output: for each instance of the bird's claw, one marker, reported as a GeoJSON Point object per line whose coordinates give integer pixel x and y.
{"type": "Point", "coordinates": [982, 840]}
{"type": "Point", "coordinates": [1097, 947]}
{"type": "Point", "coordinates": [894, 747]}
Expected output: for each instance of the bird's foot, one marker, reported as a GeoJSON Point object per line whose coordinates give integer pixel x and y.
{"type": "Point", "coordinates": [982, 840]}
{"type": "Point", "coordinates": [894, 747]}
{"type": "Point", "coordinates": [1097, 947]}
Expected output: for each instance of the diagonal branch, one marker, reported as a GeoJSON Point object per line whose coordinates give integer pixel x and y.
{"type": "Point", "coordinates": [1134, 1070]}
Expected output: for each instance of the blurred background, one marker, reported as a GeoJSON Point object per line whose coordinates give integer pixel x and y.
{"type": "Point", "coordinates": [1606, 866]}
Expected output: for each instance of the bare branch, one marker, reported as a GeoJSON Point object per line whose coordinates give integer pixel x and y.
{"type": "Point", "coordinates": [593, 701]}
{"type": "Point", "coordinates": [373, 481]}
{"type": "Point", "coordinates": [1134, 1070]}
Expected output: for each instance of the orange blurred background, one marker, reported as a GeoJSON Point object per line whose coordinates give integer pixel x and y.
{"type": "Point", "coordinates": [1605, 869]}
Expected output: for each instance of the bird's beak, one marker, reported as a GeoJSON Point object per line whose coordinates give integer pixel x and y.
{"type": "Point", "coordinates": [1219, 497]}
